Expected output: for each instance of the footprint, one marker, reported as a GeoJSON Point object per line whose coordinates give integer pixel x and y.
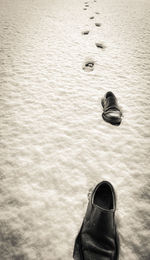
{"type": "Point", "coordinates": [98, 24]}
{"type": "Point", "coordinates": [97, 12]}
{"type": "Point", "coordinates": [92, 17]}
{"type": "Point", "coordinates": [86, 5]}
{"type": "Point", "coordinates": [88, 66]}
{"type": "Point", "coordinates": [84, 8]}
{"type": "Point", "coordinates": [85, 32]}
{"type": "Point", "coordinates": [100, 45]}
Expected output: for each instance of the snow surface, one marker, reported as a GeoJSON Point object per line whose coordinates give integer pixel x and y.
{"type": "Point", "coordinates": [54, 143]}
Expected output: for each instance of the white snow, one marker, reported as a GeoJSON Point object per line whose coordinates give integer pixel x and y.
{"type": "Point", "coordinates": [54, 143]}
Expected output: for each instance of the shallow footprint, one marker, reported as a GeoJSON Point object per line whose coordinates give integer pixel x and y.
{"type": "Point", "coordinates": [85, 32]}
{"type": "Point", "coordinates": [88, 66]}
{"type": "Point", "coordinates": [98, 24]}
{"type": "Point", "coordinates": [100, 45]}
{"type": "Point", "coordinates": [86, 5]}
{"type": "Point", "coordinates": [84, 8]}
{"type": "Point", "coordinates": [97, 12]}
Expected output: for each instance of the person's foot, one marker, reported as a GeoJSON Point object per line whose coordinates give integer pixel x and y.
{"type": "Point", "coordinates": [98, 238]}
{"type": "Point", "coordinates": [111, 111]}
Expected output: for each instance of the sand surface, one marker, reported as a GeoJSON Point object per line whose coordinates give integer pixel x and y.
{"type": "Point", "coordinates": [54, 142]}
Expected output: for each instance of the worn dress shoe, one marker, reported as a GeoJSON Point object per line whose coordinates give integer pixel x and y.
{"type": "Point", "coordinates": [111, 111]}
{"type": "Point", "coordinates": [98, 238]}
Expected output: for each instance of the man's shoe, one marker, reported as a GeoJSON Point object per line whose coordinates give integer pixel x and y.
{"type": "Point", "coordinates": [111, 111]}
{"type": "Point", "coordinates": [97, 238]}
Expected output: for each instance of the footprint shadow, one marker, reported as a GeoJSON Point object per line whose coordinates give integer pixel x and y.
{"type": "Point", "coordinates": [85, 32]}
{"type": "Point", "coordinates": [100, 45]}
{"type": "Point", "coordinates": [88, 66]}
{"type": "Point", "coordinates": [98, 24]}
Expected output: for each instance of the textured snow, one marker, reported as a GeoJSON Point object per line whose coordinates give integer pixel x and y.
{"type": "Point", "coordinates": [54, 143]}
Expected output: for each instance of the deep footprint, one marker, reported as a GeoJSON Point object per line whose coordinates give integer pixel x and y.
{"type": "Point", "coordinates": [92, 17]}
{"type": "Point", "coordinates": [98, 24]}
{"type": "Point", "coordinates": [100, 45]}
{"type": "Point", "coordinates": [86, 5]}
{"type": "Point", "coordinates": [88, 66]}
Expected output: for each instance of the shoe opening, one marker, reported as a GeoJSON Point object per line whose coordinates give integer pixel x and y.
{"type": "Point", "coordinates": [104, 197]}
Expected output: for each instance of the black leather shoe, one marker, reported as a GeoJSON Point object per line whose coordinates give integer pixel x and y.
{"type": "Point", "coordinates": [111, 111]}
{"type": "Point", "coordinates": [97, 238]}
